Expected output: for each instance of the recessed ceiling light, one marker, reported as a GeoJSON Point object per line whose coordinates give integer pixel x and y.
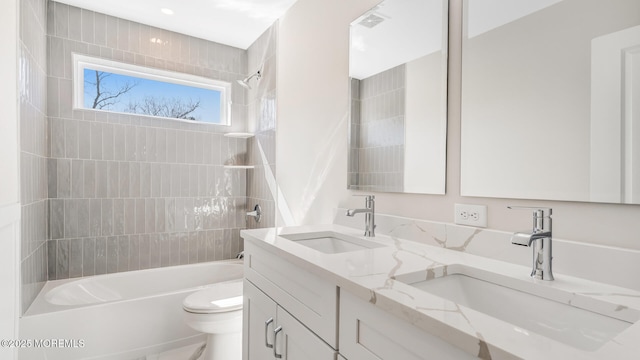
{"type": "Point", "coordinates": [167, 11]}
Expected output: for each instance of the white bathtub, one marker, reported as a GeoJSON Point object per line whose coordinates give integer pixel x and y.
{"type": "Point", "coordinates": [118, 316]}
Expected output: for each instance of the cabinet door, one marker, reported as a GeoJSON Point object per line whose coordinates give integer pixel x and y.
{"type": "Point", "coordinates": [259, 316]}
{"type": "Point", "coordinates": [296, 342]}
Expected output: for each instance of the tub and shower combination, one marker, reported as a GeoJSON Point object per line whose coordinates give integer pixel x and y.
{"type": "Point", "coordinates": [119, 316]}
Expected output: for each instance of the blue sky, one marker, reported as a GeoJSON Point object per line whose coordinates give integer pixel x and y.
{"type": "Point", "coordinates": [208, 111]}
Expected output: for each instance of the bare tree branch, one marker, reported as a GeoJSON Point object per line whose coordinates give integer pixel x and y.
{"type": "Point", "coordinates": [105, 98]}
{"type": "Point", "coordinates": [171, 108]}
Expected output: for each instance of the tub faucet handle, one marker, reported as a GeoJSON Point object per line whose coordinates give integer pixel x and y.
{"type": "Point", "coordinates": [256, 213]}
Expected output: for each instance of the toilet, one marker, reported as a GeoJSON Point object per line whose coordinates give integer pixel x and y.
{"type": "Point", "coordinates": [217, 312]}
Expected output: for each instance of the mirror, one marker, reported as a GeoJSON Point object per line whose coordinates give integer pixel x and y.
{"type": "Point", "coordinates": [398, 72]}
{"type": "Point", "coordinates": [550, 100]}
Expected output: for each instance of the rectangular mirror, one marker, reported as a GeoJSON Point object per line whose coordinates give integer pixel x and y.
{"type": "Point", "coordinates": [398, 72]}
{"type": "Point", "coordinates": [550, 105]}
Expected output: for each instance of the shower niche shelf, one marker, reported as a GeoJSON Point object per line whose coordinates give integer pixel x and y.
{"type": "Point", "coordinates": [238, 166]}
{"type": "Point", "coordinates": [239, 135]}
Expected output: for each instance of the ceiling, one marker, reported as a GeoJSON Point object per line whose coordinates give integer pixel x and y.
{"type": "Point", "coordinates": [237, 23]}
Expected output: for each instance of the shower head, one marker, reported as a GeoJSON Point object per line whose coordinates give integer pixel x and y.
{"type": "Point", "coordinates": [245, 82]}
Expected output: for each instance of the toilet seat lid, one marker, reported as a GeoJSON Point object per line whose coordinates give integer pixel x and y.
{"type": "Point", "coordinates": [218, 298]}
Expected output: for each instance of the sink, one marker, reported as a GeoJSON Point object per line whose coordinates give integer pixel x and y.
{"type": "Point", "coordinates": [572, 319]}
{"type": "Point", "coordinates": [330, 242]}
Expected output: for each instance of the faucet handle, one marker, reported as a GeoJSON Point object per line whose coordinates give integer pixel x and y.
{"type": "Point", "coordinates": [538, 212]}
{"type": "Point", "coordinates": [368, 196]}
{"type": "Point", "coordinates": [539, 216]}
{"type": "Point", "coordinates": [369, 200]}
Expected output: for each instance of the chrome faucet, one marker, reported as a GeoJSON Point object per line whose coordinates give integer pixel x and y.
{"type": "Point", "coordinates": [539, 239]}
{"type": "Point", "coordinates": [369, 215]}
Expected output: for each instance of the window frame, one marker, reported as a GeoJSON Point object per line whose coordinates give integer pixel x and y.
{"type": "Point", "coordinates": [82, 62]}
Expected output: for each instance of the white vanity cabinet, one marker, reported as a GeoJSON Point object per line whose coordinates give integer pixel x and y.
{"type": "Point", "coordinates": [274, 334]}
{"type": "Point", "coordinates": [279, 298]}
{"type": "Point", "coordinates": [369, 333]}
{"type": "Point", "coordinates": [293, 312]}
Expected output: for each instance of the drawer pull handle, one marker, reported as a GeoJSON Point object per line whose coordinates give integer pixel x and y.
{"type": "Point", "coordinates": [275, 341]}
{"type": "Point", "coordinates": [266, 333]}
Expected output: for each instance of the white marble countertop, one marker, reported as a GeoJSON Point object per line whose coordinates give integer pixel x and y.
{"type": "Point", "coordinates": [371, 275]}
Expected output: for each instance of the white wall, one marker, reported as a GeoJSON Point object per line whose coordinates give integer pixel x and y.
{"type": "Point", "coordinates": [312, 137]}
{"type": "Point", "coordinates": [9, 284]}
{"type": "Point", "coordinates": [9, 206]}
{"type": "Point", "coordinates": [8, 103]}
{"type": "Point", "coordinates": [313, 105]}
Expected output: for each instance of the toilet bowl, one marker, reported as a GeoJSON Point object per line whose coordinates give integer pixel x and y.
{"type": "Point", "coordinates": [217, 312]}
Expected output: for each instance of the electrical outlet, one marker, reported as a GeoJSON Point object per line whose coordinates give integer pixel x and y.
{"type": "Point", "coordinates": [474, 215]}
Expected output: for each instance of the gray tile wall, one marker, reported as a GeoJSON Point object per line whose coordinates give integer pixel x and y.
{"type": "Point", "coordinates": [33, 148]}
{"type": "Point", "coordinates": [353, 171]}
{"type": "Point", "coordinates": [132, 192]}
{"type": "Point", "coordinates": [262, 114]}
{"type": "Point", "coordinates": [377, 133]}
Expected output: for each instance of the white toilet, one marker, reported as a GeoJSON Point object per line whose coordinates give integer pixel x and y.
{"type": "Point", "coordinates": [217, 312]}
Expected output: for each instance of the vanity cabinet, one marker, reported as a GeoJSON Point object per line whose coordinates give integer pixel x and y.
{"type": "Point", "coordinates": [272, 333]}
{"type": "Point", "coordinates": [369, 333]}
{"type": "Point", "coordinates": [292, 313]}
{"type": "Point", "coordinates": [279, 298]}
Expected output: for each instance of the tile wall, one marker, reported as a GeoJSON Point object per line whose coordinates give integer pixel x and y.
{"type": "Point", "coordinates": [133, 192]}
{"type": "Point", "coordinates": [377, 132]}
{"type": "Point", "coordinates": [262, 122]}
{"type": "Point", "coordinates": [353, 171]}
{"type": "Point", "coordinates": [33, 147]}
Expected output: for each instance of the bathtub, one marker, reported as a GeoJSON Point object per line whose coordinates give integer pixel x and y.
{"type": "Point", "coordinates": [124, 316]}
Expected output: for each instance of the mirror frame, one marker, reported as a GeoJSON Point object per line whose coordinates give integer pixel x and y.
{"type": "Point", "coordinates": [532, 158]}
{"type": "Point", "coordinates": [391, 167]}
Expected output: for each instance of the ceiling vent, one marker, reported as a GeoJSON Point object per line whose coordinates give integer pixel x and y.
{"type": "Point", "coordinates": [371, 20]}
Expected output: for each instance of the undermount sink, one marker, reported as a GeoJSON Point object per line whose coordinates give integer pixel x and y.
{"type": "Point", "coordinates": [572, 319]}
{"type": "Point", "coordinates": [330, 242]}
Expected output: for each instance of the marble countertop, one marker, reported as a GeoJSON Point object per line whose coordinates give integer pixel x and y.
{"type": "Point", "coordinates": [371, 275]}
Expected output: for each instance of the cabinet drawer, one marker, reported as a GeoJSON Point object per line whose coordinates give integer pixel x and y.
{"type": "Point", "coordinates": [369, 333]}
{"type": "Point", "coordinates": [310, 299]}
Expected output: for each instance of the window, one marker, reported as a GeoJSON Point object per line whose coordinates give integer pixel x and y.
{"type": "Point", "coordinates": [106, 85]}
